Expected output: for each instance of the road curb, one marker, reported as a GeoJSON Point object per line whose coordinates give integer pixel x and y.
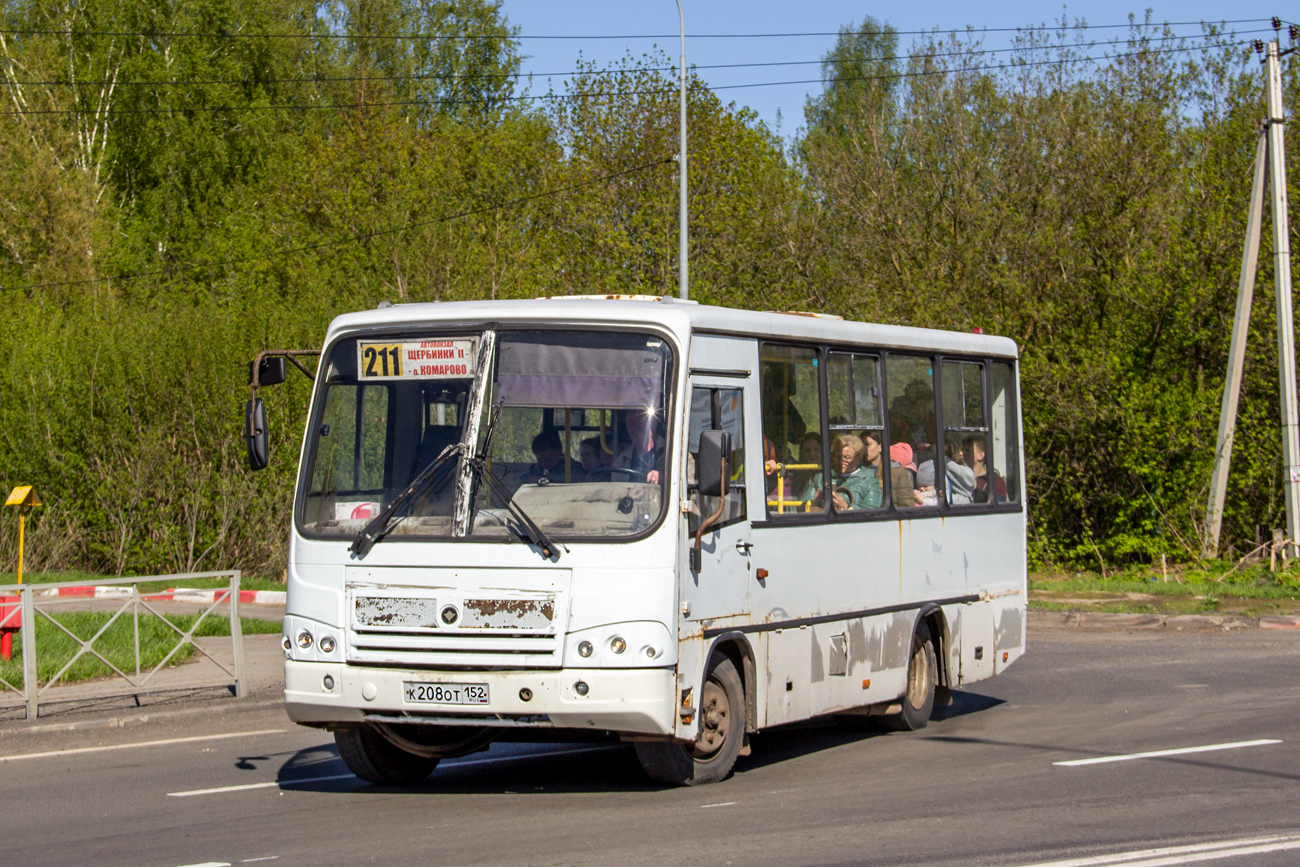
{"type": "Point", "coordinates": [175, 594]}
{"type": "Point", "coordinates": [1279, 621]}
{"type": "Point", "coordinates": [1178, 622]}
{"type": "Point", "coordinates": [234, 705]}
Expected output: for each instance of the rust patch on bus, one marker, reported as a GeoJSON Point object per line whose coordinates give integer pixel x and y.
{"type": "Point", "coordinates": [509, 613]}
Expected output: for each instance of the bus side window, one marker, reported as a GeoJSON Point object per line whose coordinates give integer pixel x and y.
{"type": "Point", "coordinates": [1006, 440]}
{"type": "Point", "coordinates": [910, 386]}
{"type": "Point", "coordinates": [966, 428]}
{"type": "Point", "coordinates": [792, 442]}
{"type": "Point", "coordinates": [853, 401]}
{"type": "Point", "coordinates": [717, 409]}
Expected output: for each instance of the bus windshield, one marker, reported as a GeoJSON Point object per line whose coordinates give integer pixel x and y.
{"type": "Point", "coordinates": [572, 424]}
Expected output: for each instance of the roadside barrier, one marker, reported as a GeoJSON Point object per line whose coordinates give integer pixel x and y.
{"type": "Point", "coordinates": [43, 600]}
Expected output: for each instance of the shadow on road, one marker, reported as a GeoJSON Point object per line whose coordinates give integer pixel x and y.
{"type": "Point", "coordinates": [519, 768]}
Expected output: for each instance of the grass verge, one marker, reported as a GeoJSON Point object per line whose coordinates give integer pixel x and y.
{"type": "Point", "coordinates": [54, 647]}
{"type": "Point", "coordinates": [1216, 588]}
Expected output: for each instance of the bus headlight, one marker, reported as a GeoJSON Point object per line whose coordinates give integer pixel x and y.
{"type": "Point", "coordinates": [327, 644]}
{"type": "Point", "coordinates": [630, 644]}
{"type": "Point", "coordinates": [305, 640]}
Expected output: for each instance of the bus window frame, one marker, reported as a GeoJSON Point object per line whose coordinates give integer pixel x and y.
{"type": "Point", "coordinates": [675, 379]}
{"type": "Point", "coordinates": [888, 512]}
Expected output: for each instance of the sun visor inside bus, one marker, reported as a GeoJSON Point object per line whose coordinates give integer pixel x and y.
{"type": "Point", "coordinates": [607, 371]}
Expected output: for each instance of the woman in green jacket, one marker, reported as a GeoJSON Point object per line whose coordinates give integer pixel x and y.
{"type": "Point", "coordinates": [853, 486]}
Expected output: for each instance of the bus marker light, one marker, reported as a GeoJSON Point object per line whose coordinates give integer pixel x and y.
{"type": "Point", "coordinates": [584, 649]}
{"type": "Point", "coordinates": [618, 645]}
{"type": "Point", "coordinates": [525, 694]}
{"type": "Point", "coordinates": [762, 574]}
{"type": "Point", "coordinates": [1004, 656]}
{"type": "Point", "coordinates": [287, 644]}
{"type": "Point", "coordinates": [304, 639]}
{"type": "Point", "coordinates": [866, 683]}
{"type": "Point", "coordinates": [651, 652]}
{"type": "Point", "coordinates": [580, 687]}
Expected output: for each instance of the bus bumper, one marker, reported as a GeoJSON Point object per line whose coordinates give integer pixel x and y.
{"type": "Point", "coordinates": [634, 701]}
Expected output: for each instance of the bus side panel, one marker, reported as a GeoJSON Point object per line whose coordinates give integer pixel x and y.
{"type": "Point", "coordinates": [788, 656]}
{"type": "Point", "coordinates": [859, 661]}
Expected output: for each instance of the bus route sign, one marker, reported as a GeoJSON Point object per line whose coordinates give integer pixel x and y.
{"type": "Point", "coordinates": [416, 359]}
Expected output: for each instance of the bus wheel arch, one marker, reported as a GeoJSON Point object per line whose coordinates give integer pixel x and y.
{"type": "Point", "coordinates": [722, 703]}
{"type": "Point", "coordinates": [736, 647]}
{"type": "Point", "coordinates": [923, 677]}
{"type": "Point", "coordinates": [940, 633]}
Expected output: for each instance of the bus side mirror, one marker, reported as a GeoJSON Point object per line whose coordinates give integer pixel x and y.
{"type": "Point", "coordinates": [255, 430]}
{"type": "Point", "coordinates": [272, 371]}
{"type": "Point", "coordinates": [712, 463]}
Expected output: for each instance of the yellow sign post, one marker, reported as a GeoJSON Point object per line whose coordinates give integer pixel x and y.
{"type": "Point", "coordinates": [23, 495]}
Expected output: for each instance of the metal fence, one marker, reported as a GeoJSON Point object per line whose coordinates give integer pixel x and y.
{"type": "Point", "coordinates": [44, 600]}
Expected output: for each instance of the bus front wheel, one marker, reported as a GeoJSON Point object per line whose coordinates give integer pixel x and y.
{"type": "Point", "coordinates": [722, 730]}
{"type": "Point", "coordinates": [375, 759]}
{"type": "Point", "coordinates": [922, 676]}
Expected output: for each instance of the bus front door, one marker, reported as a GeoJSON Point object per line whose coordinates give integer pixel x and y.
{"type": "Point", "coordinates": [720, 586]}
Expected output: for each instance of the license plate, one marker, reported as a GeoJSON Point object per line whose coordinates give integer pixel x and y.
{"type": "Point", "coordinates": [446, 693]}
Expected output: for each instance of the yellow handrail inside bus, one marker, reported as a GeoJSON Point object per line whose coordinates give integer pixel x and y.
{"type": "Point", "coordinates": [781, 502]}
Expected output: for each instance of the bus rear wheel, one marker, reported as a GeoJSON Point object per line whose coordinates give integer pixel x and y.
{"type": "Point", "coordinates": [922, 677]}
{"type": "Point", "coordinates": [722, 730]}
{"type": "Point", "coordinates": [376, 759]}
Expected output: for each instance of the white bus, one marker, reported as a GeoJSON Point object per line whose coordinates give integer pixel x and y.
{"type": "Point", "coordinates": [666, 523]}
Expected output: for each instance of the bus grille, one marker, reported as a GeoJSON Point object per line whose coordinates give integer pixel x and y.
{"type": "Point", "coordinates": [414, 630]}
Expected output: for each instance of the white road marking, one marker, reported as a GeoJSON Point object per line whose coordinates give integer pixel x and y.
{"type": "Point", "coordinates": [1182, 854]}
{"type": "Point", "coordinates": [1074, 763]}
{"type": "Point", "coordinates": [451, 764]}
{"type": "Point", "coordinates": [161, 743]}
{"type": "Point", "coordinates": [246, 786]}
{"type": "Point", "coordinates": [209, 864]}
{"type": "Point", "coordinates": [724, 804]}
{"type": "Point", "coordinates": [263, 858]}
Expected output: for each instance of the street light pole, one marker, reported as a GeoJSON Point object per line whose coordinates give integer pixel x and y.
{"type": "Point", "coordinates": [684, 282]}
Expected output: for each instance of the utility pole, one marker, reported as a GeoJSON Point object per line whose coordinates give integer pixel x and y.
{"type": "Point", "coordinates": [684, 274]}
{"type": "Point", "coordinates": [1282, 280]}
{"type": "Point", "coordinates": [1270, 156]}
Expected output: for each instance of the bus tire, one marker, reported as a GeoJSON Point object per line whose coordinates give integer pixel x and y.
{"type": "Point", "coordinates": [722, 731]}
{"type": "Point", "coordinates": [922, 678]}
{"type": "Point", "coordinates": [375, 759]}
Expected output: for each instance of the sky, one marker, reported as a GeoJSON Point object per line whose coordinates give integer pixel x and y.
{"type": "Point", "coordinates": [643, 25]}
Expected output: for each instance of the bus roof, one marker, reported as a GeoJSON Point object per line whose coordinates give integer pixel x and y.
{"type": "Point", "coordinates": [680, 317]}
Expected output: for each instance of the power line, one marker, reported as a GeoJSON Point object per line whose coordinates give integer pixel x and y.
{"type": "Point", "coordinates": [589, 36]}
{"type": "Point", "coordinates": [437, 103]}
{"type": "Point", "coordinates": [173, 270]}
{"type": "Point", "coordinates": [504, 76]}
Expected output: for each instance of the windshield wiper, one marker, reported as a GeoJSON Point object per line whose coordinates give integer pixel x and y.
{"type": "Point", "coordinates": [383, 522]}
{"type": "Point", "coordinates": [530, 531]}
{"type": "Point", "coordinates": [478, 464]}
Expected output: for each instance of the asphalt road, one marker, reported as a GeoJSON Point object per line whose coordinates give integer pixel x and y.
{"type": "Point", "coordinates": [982, 785]}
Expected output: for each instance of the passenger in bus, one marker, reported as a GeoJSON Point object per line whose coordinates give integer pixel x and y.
{"type": "Point", "coordinates": [644, 453]}
{"type": "Point", "coordinates": [926, 495]}
{"type": "Point", "coordinates": [960, 478]}
{"type": "Point", "coordinates": [974, 447]}
{"type": "Point", "coordinates": [551, 463]}
{"type": "Point", "coordinates": [592, 455]}
{"type": "Point", "coordinates": [810, 452]}
{"type": "Point", "coordinates": [853, 486]}
{"type": "Point", "coordinates": [902, 476]}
